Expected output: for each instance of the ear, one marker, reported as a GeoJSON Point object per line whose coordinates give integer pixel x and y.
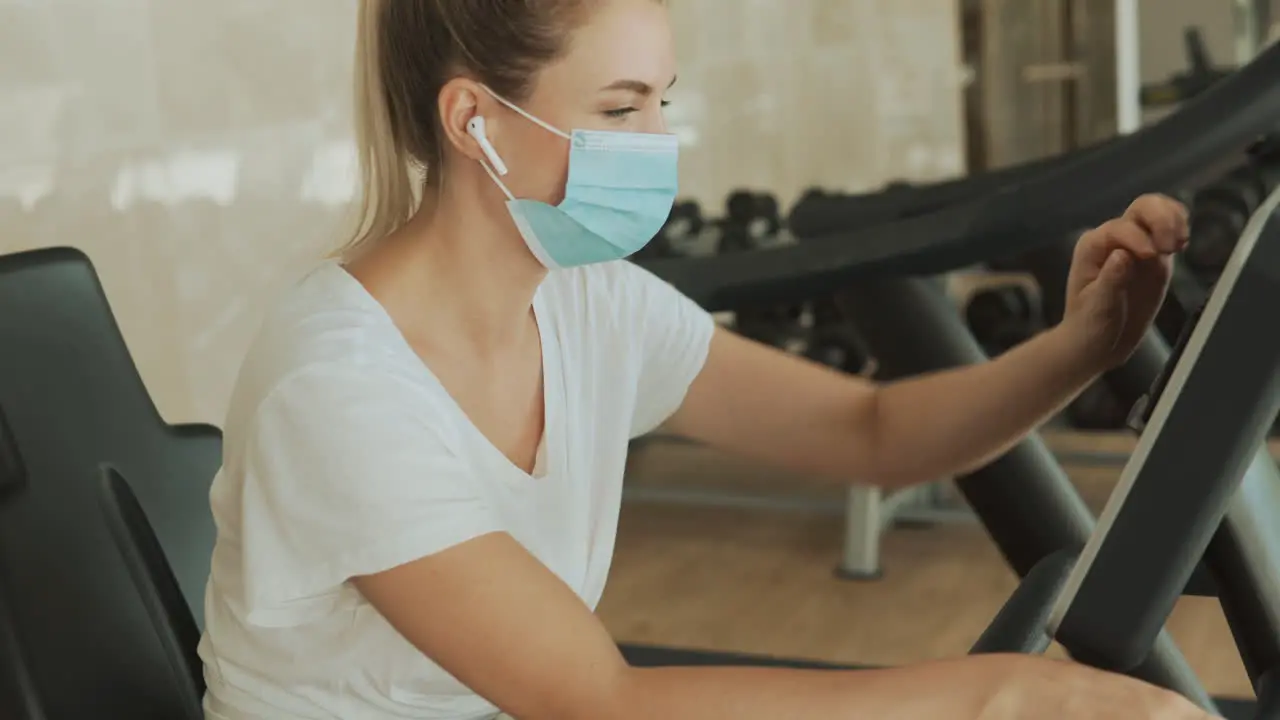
{"type": "Point", "coordinates": [460, 100]}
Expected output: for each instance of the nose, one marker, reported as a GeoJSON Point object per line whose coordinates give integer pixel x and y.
{"type": "Point", "coordinates": [656, 123]}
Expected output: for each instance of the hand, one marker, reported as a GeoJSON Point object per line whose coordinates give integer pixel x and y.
{"type": "Point", "coordinates": [1119, 274]}
{"type": "Point", "coordinates": [1058, 690]}
{"type": "Point", "coordinates": [1103, 695]}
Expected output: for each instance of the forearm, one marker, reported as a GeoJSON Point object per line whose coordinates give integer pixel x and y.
{"type": "Point", "coordinates": [957, 690]}
{"type": "Point", "coordinates": [953, 421]}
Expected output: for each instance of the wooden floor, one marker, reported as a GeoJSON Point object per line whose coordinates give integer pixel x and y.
{"type": "Point", "coordinates": [760, 581]}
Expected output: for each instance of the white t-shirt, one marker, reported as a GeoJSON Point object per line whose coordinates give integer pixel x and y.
{"type": "Point", "coordinates": [345, 456]}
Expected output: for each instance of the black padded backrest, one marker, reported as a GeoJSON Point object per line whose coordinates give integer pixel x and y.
{"type": "Point", "coordinates": [105, 528]}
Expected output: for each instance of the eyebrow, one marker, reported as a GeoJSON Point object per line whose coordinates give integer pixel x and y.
{"type": "Point", "coordinates": [635, 86]}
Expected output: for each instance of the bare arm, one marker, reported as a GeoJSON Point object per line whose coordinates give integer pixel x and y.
{"type": "Point", "coordinates": [969, 687]}
{"type": "Point", "coordinates": [955, 421]}
{"type": "Point", "coordinates": [761, 402]}
{"type": "Point", "coordinates": [499, 621]}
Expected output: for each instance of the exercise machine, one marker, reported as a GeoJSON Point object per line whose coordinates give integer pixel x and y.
{"type": "Point", "coordinates": [878, 270]}
{"type": "Point", "coordinates": [1194, 489]}
{"type": "Point", "coordinates": [818, 212]}
{"type": "Point", "coordinates": [1197, 486]}
{"type": "Point", "coordinates": [1223, 215]}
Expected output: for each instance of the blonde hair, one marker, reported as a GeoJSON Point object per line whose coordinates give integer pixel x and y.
{"type": "Point", "coordinates": [388, 197]}
{"type": "Point", "coordinates": [406, 50]}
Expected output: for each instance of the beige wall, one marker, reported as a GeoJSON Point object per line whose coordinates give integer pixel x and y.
{"type": "Point", "coordinates": [198, 149]}
{"type": "Point", "coordinates": [839, 93]}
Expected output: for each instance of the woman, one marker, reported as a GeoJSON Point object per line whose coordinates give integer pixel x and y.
{"type": "Point", "coordinates": [425, 447]}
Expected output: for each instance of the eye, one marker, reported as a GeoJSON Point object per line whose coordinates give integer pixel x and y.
{"type": "Point", "coordinates": [625, 111]}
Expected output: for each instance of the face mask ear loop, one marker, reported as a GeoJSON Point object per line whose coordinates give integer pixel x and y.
{"type": "Point", "coordinates": [544, 125]}
{"type": "Point", "coordinates": [501, 185]}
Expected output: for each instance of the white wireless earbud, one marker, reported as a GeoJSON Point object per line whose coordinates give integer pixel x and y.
{"type": "Point", "coordinates": [475, 128]}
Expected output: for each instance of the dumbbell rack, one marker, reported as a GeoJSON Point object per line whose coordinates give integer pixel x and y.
{"type": "Point", "coordinates": [868, 513]}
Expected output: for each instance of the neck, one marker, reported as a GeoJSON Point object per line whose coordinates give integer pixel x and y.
{"type": "Point", "coordinates": [460, 269]}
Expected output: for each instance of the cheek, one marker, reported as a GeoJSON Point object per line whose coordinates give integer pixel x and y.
{"type": "Point", "coordinates": [538, 166]}
{"type": "Point", "coordinates": [557, 174]}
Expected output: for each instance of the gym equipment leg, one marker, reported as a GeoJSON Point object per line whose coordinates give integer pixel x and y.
{"type": "Point", "coordinates": [869, 513]}
{"type": "Point", "coordinates": [863, 525]}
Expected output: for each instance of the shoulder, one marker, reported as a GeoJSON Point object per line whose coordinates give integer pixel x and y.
{"type": "Point", "coordinates": [613, 278]}
{"type": "Point", "coordinates": [617, 294]}
{"type": "Point", "coordinates": [327, 342]}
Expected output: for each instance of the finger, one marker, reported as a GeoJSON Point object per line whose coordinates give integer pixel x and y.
{"type": "Point", "coordinates": [1183, 215]}
{"type": "Point", "coordinates": [1181, 220]}
{"type": "Point", "coordinates": [1116, 269]}
{"type": "Point", "coordinates": [1125, 234]}
{"type": "Point", "coordinates": [1149, 205]}
{"type": "Point", "coordinates": [1184, 219]}
{"type": "Point", "coordinates": [1163, 225]}
{"type": "Point", "coordinates": [1164, 218]}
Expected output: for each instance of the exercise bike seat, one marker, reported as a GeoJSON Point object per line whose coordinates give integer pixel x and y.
{"type": "Point", "coordinates": [105, 528]}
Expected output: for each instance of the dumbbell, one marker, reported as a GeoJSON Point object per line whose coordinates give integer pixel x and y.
{"type": "Point", "coordinates": [812, 193]}
{"type": "Point", "coordinates": [1097, 409]}
{"type": "Point", "coordinates": [819, 212]}
{"type": "Point", "coordinates": [750, 220]}
{"type": "Point", "coordinates": [735, 230]}
{"type": "Point", "coordinates": [833, 341]}
{"type": "Point", "coordinates": [683, 224]}
{"type": "Point", "coordinates": [658, 247]}
{"type": "Point", "coordinates": [778, 325]}
{"type": "Point", "coordinates": [1219, 213]}
{"type": "Point", "coordinates": [1002, 317]}
{"type": "Point", "coordinates": [768, 219]}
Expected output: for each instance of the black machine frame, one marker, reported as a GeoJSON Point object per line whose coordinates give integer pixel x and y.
{"type": "Point", "coordinates": [1248, 538]}
{"type": "Point", "coordinates": [1210, 412]}
{"type": "Point", "coordinates": [1107, 601]}
{"type": "Point", "coordinates": [1034, 514]}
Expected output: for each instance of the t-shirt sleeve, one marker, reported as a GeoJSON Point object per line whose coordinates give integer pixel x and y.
{"type": "Point", "coordinates": [345, 473]}
{"type": "Point", "coordinates": [673, 334]}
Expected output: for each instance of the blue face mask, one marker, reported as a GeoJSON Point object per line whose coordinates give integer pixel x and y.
{"type": "Point", "coordinates": [620, 190]}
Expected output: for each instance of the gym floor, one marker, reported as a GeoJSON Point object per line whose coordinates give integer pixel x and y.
{"type": "Point", "coordinates": [760, 581]}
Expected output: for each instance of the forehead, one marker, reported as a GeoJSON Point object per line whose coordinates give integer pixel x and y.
{"type": "Point", "coordinates": [621, 40]}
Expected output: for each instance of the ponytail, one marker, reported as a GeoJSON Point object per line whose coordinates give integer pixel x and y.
{"type": "Point", "coordinates": [389, 194]}
{"type": "Point", "coordinates": [406, 51]}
